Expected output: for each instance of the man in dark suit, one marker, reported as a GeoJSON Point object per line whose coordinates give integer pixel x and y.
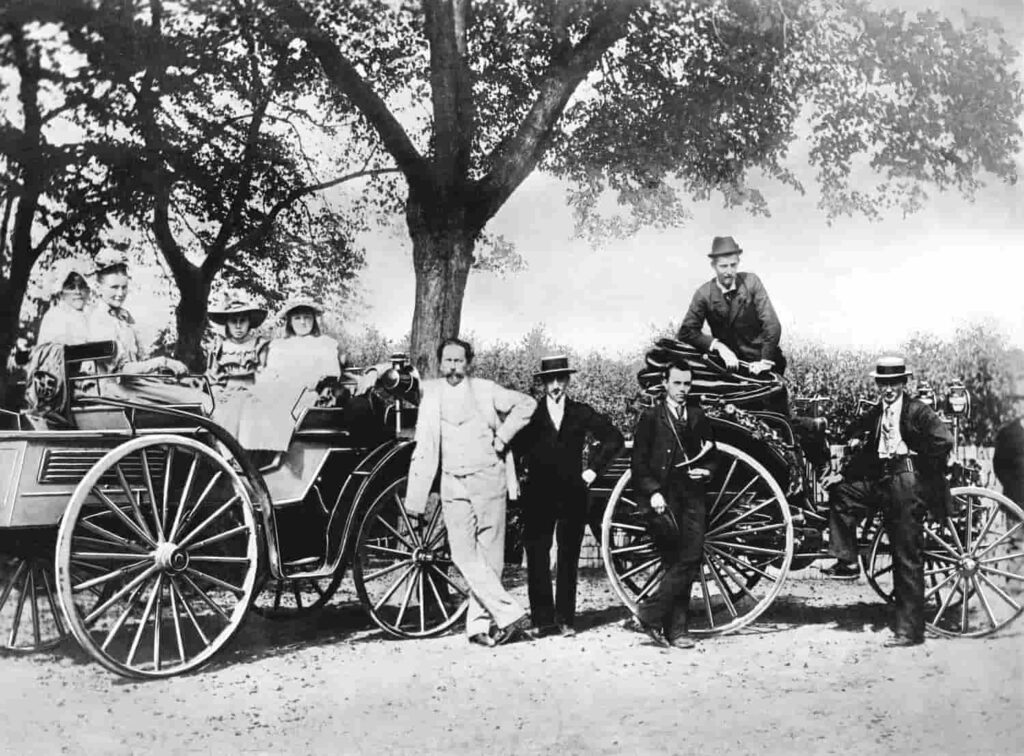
{"type": "Point", "coordinates": [1008, 459]}
{"type": "Point", "coordinates": [555, 495]}
{"type": "Point", "coordinates": [671, 463]}
{"type": "Point", "coordinates": [900, 469]}
{"type": "Point", "coordinates": [739, 313]}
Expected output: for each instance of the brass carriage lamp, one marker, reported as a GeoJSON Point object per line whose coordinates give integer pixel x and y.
{"type": "Point", "coordinates": [958, 399]}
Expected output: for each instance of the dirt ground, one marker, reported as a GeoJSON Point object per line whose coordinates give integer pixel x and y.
{"type": "Point", "coordinates": [812, 677]}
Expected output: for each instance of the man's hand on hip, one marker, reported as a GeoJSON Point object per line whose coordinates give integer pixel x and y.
{"type": "Point", "coordinates": [589, 476]}
{"type": "Point", "coordinates": [658, 503]}
{"type": "Point", "coordinates": [499, 446]}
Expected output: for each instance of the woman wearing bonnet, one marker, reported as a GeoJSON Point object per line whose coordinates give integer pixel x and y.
{"type": "Point", "coordinates": [66, 321]}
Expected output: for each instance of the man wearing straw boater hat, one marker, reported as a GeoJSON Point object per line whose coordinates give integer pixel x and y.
{"type": "Point", "coordinates": [739, 313]}
{"type": "Point", "coordinates": [555, 495]}
{"type": "Point", "coordinates": [899, 469]}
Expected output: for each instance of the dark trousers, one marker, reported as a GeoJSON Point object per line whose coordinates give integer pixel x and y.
{"type": "Point", "coordinates": [562, 516]}
{"type": "Point", "coordinates": [903, 510]}
{"type": "Point", "coordinates": [678, 535]}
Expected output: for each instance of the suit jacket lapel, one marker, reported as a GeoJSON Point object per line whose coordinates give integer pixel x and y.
{"type": "Point", "coordinates": [738, 299]}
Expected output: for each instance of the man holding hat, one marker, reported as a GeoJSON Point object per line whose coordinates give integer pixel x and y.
{"type": "Point", "coordinates": [555, 495]}
{"type": "Point", "coordinates": [899, 469]}
{"type": "Point", "coordinates": [739, 313]}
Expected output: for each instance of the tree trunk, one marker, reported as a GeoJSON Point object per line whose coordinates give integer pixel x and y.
{"type": "Point", "coordinates": [190, 317]}
{"type": "Point", "coordinates": [441, 258]}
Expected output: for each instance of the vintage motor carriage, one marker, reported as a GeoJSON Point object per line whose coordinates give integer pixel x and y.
{"type": "Point", "coordinates": [768, 515]}
{"type": "Point", "coordinates": [148, 532]}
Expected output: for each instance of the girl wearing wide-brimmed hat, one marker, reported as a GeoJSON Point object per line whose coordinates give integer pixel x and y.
{"type": "Point", "coordinates": [241, 352]}
{"type": "Point", "coordinates": [296, 363]}
{"type": "Point", "coordinates": [66, 321]}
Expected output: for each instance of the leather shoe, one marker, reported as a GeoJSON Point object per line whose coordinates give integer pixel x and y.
{"type": "Point", "coordinates": [654, 633]}
{"type": "Point", "coordinates": [683, 640]}
{"type": "Point", "coordinates": [903, 641]}
{"type": "Point", "coordinates": [841, 571]}
{"type": "Point", "coordinates": [521, 628]}
{"type": "Point", "coordinates": [567, 631]}
{"type": "Point", "coordinates": [482, 639]}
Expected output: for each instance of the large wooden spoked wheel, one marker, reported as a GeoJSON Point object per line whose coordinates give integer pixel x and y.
{"type": "Point", "coordinates": [973, 565]}
{"type": "Point", "coordinates": [748, 546]}
{"type": "Point", "coordinates": [288, 599]}
{"type": "Point", "coordinates": [403, 569]}
{"type": "Point", "coordinates": [157, 556]}
{"type": "Point", "coordinates": [30, 618]}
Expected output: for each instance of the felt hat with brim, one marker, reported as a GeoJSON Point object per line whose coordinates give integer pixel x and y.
{"type": "Point", "coordinates": [555, 365]}
{"type": "Point", "coordinates": [108, 258]}
{"type": "Point", "coordinates": [724, 245]}
{"type": "Point", "coordinates": [296, 302]}
{"type": "Point", "coordinates": [62, 270]}
{"type": "Point", "coordinates": [238, 306]}
{"type": "Point", "coordinates": [891, 368]}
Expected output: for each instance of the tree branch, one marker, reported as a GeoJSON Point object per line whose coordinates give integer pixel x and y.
{"type": "Point", "coordinates": [513, 161]}
{"type": "Point", "coordinates": [296, 194]}
{"type": "Point", "coordinates": [343, 76]}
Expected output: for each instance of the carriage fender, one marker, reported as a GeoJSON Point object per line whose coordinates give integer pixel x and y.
{"type": "Point", "coordinates": [392, 463]}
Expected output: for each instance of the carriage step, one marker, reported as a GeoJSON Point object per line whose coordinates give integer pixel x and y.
{"type": "Point", "coordinates": [303, 562]}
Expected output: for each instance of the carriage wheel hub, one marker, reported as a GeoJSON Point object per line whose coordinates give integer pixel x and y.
{"type": "Point", "coordinates": [968, 566]}
{"type": "Point", "coordinates": [169, 557]}
{"type": "Point", "coordinates": [422, 556]}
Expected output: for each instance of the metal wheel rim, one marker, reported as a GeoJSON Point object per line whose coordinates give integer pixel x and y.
{"type": "Point", "coordinates": [30, 617]}
{"type": "Point", "coordinates": [203, 595]}
{"type": "Point", "coordinates": [713, 557]}
{"type": "Point", "coordinates": [412, 567]}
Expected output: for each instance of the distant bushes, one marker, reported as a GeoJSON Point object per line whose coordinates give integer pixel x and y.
{"type": "Point", "coordinates": [979, 355]}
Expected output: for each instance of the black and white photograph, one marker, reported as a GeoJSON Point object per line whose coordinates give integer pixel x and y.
{"type": "Point", "coordinates": [511, 377]}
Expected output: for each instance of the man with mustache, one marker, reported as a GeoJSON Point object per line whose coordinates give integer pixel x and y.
{"type": "Point", "coordinates": [739, 313]}
{"type": "Point", "coordinates": [556, 491]}
{"type": "Point", "coordinates": [463, 430]}
{"type": "Point", "coordinates": [899, 469]}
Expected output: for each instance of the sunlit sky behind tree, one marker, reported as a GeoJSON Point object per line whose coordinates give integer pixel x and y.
{"type": "Point", "coordinates": [853, 282]}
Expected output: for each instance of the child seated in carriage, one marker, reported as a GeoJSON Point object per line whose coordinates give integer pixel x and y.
{"type": "Point", "coordinates": [242, 352]}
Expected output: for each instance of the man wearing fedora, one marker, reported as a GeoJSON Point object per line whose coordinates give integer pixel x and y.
{"type": "Point", "coordinates": [555, 495]}
{"type": "Point", "coordinates": [739, 313]}
{"type": "Point", "coordinates": [900, 469]}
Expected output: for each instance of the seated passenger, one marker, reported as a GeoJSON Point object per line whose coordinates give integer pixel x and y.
{"type": "Point", "coordinates": [297, 363]}
{"type": "Point", "coordinates": [111, 321]}
{"type": "Point", "coordinates": [242, 352]}
{"type": "Point", "coordinates": [66, 321]}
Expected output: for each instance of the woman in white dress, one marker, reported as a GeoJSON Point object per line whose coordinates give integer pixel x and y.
{"type": "Point", "coordinates": [66, 321]}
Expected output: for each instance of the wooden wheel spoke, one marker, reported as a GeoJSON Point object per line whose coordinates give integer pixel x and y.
{"type": "Point", "coordinates": [984, 603]}
{"type": "Point", "coordinates": [938, 586]}
{"type": "Point", "coordinates": [739, 563]}
{"type": "Point", "coordinates": [52, 601]}
{"type": "Point", "coordinates": [217, 559]}
{"type": "Point", "coordinates": [944, 605]}
{"type": "Point", "coordinates": [297, 593]}
{"type": "Point", "coordinates": [12, 581]}
{"type": "Point", "coordinates": [706, 592]}
{"type": "Point", "coordinates": [985, 568]}
{"type": "Point", "coordinates": [187, 518]}
{"type": "Point", "coordinates": [133, 502]}
{"type": "Point", "coordinates": [628, 527]}
{"type": "Point", "coordinates": [734, 576]}
{"type": "Point", "coordinates": [411, 579]}
{"type": "Point", "coordinates": [185, 491]}
{"type": "Point", "coordinates": [219, 537]}
{"type": "Point", "coordinates": [652, 582]}
{"type": "Point", "coordinates": [989, 521]}
{"type": "Point", "coordinates": [394, 532]}
{"type": "Point", "coordinates": [450, 582]}
{"type": "Point", "coordinates": [951, 529]}
{"type": "Point", "coordinates": [144, 620]}
{"type": "Point", "coordinates": [936, 556]}
{"type": "Point", "coordinates": [931, 533]}
{"type": "Point", "coordinates": [178, 638]}
{"type": "Point", "coordinates": [721, 588]}
{"type": "Point", "coordinates": [1003, 558]}
{"type": "Point", "coordinates": [746, 548]}
{"type": "Point", "coordinates": [405, 518]}
{"type": "Point", "coordinates": [725, 484]}
{"type": "Point", "coordinates": [927, 573]}
{"type": "Point", "coordinates": [1001, 539]}
{"type": "Point", "coordinates": [203, 595]}
{"type": "Point", "coordinates": [212, 580]}
{"type": "Point", "coordinates": [147, 477]}
{"type": "Point", "coordinates": [746, 513]}
{"type": "Point", "coordinates": [158, 622]}
{"type": "Point", "coordinates": [640, 568]}
{"type": "Point", "coordinates": [108, 538]}
{"type": "Point", "coordinates": [119, 622]}
{"type": "Point", "coordinates": [394, 587]}
{"type": "Point", "coordinates": [109, 556]}
{"type": "Point", "coordinates": [419, 590]}
{"type": "Point", "coordinates": [385, 570]}
{"type": "Point", "coordinates": [999, 591]}
{"type": "Point", "coordinates": [19, 608]}
{"type": "Point", "coordinates": [106, 577]}
{"type": "Point", "coordinates": [435, 518]}
{"type": "Point", "coordinates": [161, 516]}
{"type": "Point", "coordinates": [125, 519]}
{"type": "Point", "coordinates": [437, 594]}
{"type": "Point", "coordinates": [386, 550]}
{"type": "Point", "coordinates": [208, 521]}
{"type": "Point", "coordinates": [970, 524]}
{"type": "Point", "coordinates": [189, 613]}
{"type": "Point", "coordinates": [34, 606]}
{"type": "Point", "coordinates": [749, 531]}
{"type": "Point", "coordinates": [632, 548]}
{"type": "Point", "coordinates": [121, 593]}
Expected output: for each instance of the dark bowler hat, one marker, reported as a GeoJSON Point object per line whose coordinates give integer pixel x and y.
{"type": "Point", "coordinates": [555, 365]}
{"type": "Point", "coordinates": [724, 245]}
{"type": "Point", "coordinates": [891, 367]}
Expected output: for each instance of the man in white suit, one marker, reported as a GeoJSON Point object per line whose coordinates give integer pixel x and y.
{"type": "Point", "coordinates": [463, 430]}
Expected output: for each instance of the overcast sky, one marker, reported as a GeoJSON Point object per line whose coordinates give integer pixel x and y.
{"type": "Point", "coordinates": [852, 283]}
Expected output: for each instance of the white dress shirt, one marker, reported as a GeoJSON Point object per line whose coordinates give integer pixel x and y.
{"type": "Point", "coordinates": [890, 442]}
{"type": "Point", "coordinates": [678, 411]}
{"type": "Point", "coordinates": [556, 410]}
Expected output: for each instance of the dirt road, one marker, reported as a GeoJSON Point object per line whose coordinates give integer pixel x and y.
{"type": "Point", "coordinates": [811, 678]}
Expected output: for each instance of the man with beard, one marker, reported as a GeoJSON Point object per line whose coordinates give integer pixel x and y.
{"type": "Point", "coordinates": [556, 493]}
{"type": "Point", "coordinates": [739, 313]}
{"type": "Point", "coordinates": [900, 469]}
{"type": "Point", "coordinates": [463, 431]}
